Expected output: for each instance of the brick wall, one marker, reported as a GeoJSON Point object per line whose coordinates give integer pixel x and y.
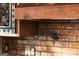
{"type": "Point", "coordinates": [51, 48]}
{"type": "Point", "coordinates": [68, 43]}
{"type": "Point", "coordinates": [12, 45]}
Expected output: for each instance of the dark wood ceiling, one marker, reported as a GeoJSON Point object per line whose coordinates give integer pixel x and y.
{"type": "Point", "coordinates": [31, 4]}
{"type": "Point", "coordinates": [40, 4]}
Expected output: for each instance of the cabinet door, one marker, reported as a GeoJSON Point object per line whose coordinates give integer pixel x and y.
{"type": "Point", "coordinates": [7, 18]}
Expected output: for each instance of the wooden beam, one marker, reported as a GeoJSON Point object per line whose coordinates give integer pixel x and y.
{"type": "Point", "coordinates": [48, 12]}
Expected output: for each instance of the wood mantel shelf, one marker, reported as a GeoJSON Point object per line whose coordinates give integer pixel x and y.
{"type": "Point", "coordinates": [48, 12]}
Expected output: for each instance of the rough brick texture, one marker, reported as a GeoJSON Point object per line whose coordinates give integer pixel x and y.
{"type": "Point", "coordinates": [67, 44]}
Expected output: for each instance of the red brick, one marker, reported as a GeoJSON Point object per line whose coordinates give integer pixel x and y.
{"type": "Point", "coordinates": [20, 42]}
{"type": "Point", "coordinates": [65, 38]}
{"type": "Point", "coordinates": [37, 42]}
{"type": "Point", "coordinates": [74, 32]}
{"type": "Point", "coordinates": [73, 38]}
{"type": "Point", "coordinates": [12, 53]}
{"type": "Point", "coordinates": [49, 38]}
{"type": "Point", "coordinates": [74, 44]}
{"type": "Point", "coordinates": [44, 54]}
{"type": "Point", "coordinates": [61, 44]}
{"type": "Point", "coordinates": [38, 48]}
{"type": "Point", "coordinates": [69, 38]}
{"type": "Point", "coordinates": [42, 38]}
{"type": "Point", "coordinates": [38, 53]}
{"type": "Point", "coordinates": [55, 49]}
{"type": "Point", "coordinates": [31, 42]}
{"type": "Point", "coordinates": [50, 43]}
{"type": "Point", "coordinates": [69, 51]}
{"type": "Point", "coordinates": [64, 32]}
{"type": "Point", "coordinates": [50, 54]}
{"type": "Point", "coordinates": [21, 52]}
{"type": "Point", "coordinates": [77, 37]}
{"type": "Point", "coordinates": [57, 43]}
{"type": "Point", "coordinates": [78, 51]}
{"type": "Point", "coordinates": [54, 26]}
{"type": "Point", "coordinates": [41, 48]}
{"type": "Point", "coordinates": [64, 44]}
{"type": "Point", "coordinates": [0, 50]}
{"type": "Point", "coordinates": [44, 43]}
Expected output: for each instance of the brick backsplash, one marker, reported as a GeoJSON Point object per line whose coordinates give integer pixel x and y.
{"type": "Point", "coordinates": [66, 45]}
